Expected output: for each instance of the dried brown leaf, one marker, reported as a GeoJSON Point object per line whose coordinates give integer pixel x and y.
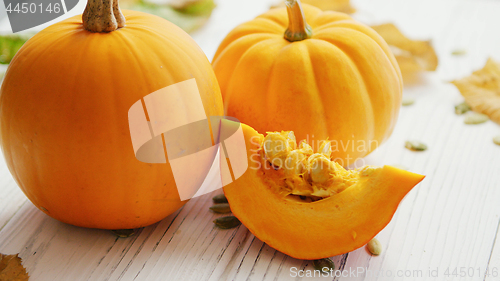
{"type": "Point", "coordinates": [412, 55]}
{"type": "Point", "coordinates": [343, 6]}
{"type": "Point", "coordinates": [481, 90]}
{"type": "Point", "coordinates": [11, 268]}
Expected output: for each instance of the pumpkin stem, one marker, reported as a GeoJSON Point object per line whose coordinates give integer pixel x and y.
{"type": "Point", "coordinates": [298, 29]}
{"type": "Point", "coordinates": [102, 16]}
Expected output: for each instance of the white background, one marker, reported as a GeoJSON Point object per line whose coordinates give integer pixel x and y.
{"type": "Point", "coordinates": [449, 221]}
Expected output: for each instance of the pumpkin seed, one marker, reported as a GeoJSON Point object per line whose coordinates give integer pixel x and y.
{"type": "Point", "coordinates": [219, 198]}
{"type": "Point", "coordinates": [222, 208]}
{"type": "Point", "coordinates": [415, 145]}
{"type": "Point", "coordinates": [123, 233]}
{"type": "Point", "coordinates": [475, 118]}
{"type": "Point", "coordinates": [462, 108]}
{"type": "Point", "coordinates": [227, 222]}
{"type": "Point", "coordinates": [496, 140]}
{"type": "Point", "coordinates": [319, 168]}
{"type": "Point", "coordinates": [324, 265]}
{"type": "Point", "coordinates": [459, 52]}
{"type": "Point", "coordinates": [276, 147]}
{"type": "Point", "coordinates": [325, 148]}
{"type": "Point", "coordinates": [401, 167]}
{"type": "Point", "coordinates": [407, 101]}
{"type": "Point", "coordinates": [294, 163]}
{"type": "Point", "coordinates": [374, 247]}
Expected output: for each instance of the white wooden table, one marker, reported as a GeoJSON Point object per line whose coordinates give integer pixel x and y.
{"type": "Point", "coordinates": [448, 222]}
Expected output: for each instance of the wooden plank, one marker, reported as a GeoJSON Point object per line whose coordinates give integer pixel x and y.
{"type": "Point", "coordinates": [11, 196]}
{"type": "Point", "coordinates": [492, 272]}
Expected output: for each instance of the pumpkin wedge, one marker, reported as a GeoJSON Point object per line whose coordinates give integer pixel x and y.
{"type": "Point", "coordinates": [297, 208]}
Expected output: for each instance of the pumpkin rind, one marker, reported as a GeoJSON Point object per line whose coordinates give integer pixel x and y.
{"type": "Point", "coordinates": [332, 226]}
{"type": "Point", "coordinates": [64, 126]}
{"type": "Point", "coordinates": [343, 83]}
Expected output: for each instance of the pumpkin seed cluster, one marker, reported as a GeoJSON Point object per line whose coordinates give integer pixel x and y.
{"type": "Point", "coordinates": [222, 207]}
{"type": "Point", "coordinates": [307, 175]}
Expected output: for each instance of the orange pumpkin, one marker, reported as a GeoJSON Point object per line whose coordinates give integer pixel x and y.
{"type": "Point", "coordinates": [64, 115]}
{"type": "Point", "coordinates": [297, 201]}
{"type": "Point", "coordinates": [334, 78]}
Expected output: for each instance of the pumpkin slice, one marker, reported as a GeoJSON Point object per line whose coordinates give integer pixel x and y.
{"type": "Point", "coordinates": [305, 205]}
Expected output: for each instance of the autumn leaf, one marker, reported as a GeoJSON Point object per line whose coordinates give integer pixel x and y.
{"type": "Point", "coordinates": [343, 6]}
{"type": "Point", "coordinates": [412, 55]}
{"type": "Point", "coordinates": [11, 268]}
{"type": "Point", "coordinates": [481, 90]}
{"type": "Point", "coordinates": [186, 14]}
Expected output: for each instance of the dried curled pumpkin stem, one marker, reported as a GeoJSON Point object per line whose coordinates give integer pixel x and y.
{"type": "Point", "coordinates": [298, 29]}
{"type": "Point", "coordinates": [102, 16]}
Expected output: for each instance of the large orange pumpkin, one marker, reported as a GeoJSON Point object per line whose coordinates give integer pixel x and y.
{"type": "Point", "coordinates": [64, 115]}
{"type": "Point", "coordinates": [333, 78]}
{"type": "Point", "coordinates": [307, 206]}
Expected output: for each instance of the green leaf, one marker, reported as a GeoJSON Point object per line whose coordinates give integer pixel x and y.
{"type": "Point", "coordinates": [189, 17]}
{"type": "Point", "coordinates": [197, 8]}
{"type": "Point", "coordinates": [9, 45]}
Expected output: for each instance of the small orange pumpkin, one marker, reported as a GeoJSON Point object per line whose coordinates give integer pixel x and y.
{"type": "Point", "coordinates": [64, 115]}
{"type": "Point", "coordinates": [334, 79]}
{"type": "Point", "coordinates": [302, 204]}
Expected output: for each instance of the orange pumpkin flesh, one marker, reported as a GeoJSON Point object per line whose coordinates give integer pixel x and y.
{"type": "Point", "coordinates": [64, 127]}
{"type": "Point", "coordinates": [343, 82]}
{"type": "Point", "coordinates": [331, 226]}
